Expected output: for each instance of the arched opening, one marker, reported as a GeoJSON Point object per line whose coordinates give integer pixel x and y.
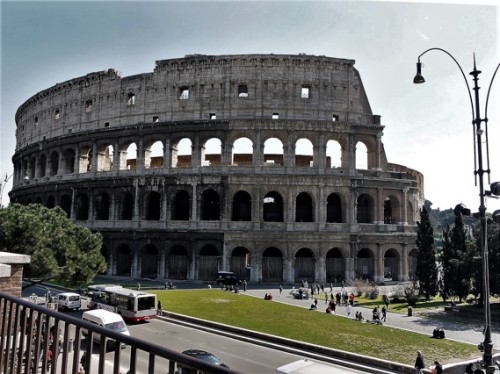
{"type": "Point", "coordinates": [42, 166]}
{"type": "Point", "coordinates": [365, 207]}
{"type": "Point", "coordinates": [412, 264]}
{"type": "Point", "coordinates": [123, 260]}
{"type": "Point", "coordinates": [242, 206]}
{"type": "Point", "coordinates": [304, 265]}
{"type": "Point", "coordinates": [333, 208]}
{"type": "Point", "coordinates": [85, 162]}
{"type": "Point", "coordinates": [131, 157]}
{"type": "Point", "coordinates": [242, 152]}
{"type": "Point", "coordinates": [65, 204]}
{"type": "Point", "coordinates": [178, 263]}
{"type": "Point", "coordinates": [335, 266]}
{"type": "Point", "coordinates": [153, 155]}
{"type": "Point", "coordinates": [391, 210]}
{"type": "Point", "coordinates": [240, 262]}
{"type": "Point", "coordinates": [273, 152]}
{"type": "Point", "coordinates": [365, 264]}
{"type": "Point", "coordinates": [272, 265]}
{"type": "Point", "coordinates": [149, 262]}
{"type": "Point", "coordinates": [208, 262]}
{"type": "Point", "coordinates": [361, 156]}
{"type": "Point", "coordinates": [182, 153]}
{"type": "Point", "coordinates": [211, 152]}
{"type": "Point", "coordinates": [31, 168]}
{"type": "Point", "coordinates": [333, 154]}
{"type": "Point", "coordinates": [53, 163]}
{"type": "Point", "coordinates": [105, 157]}
{"type": "Point", "coordinates": [51, 202]}
{"type": "Point", "coordinates": [181, 206]}
{"type": "Point", "coordinates": [273, 207]}
{"type": "Point", "coordinates": [126, 206]}
{"type": "Point", "coordinates": [303, 208]}
{"type": "Point", "coordinates": [69, 161]}
{"type": "Point", "coordinates": [304, 153]}
{"type": "Point", "coordinates": [210, 206]}
{"type": "Point", "coordinates": [152, 206]}
{"type": "Point", "coordinates": [101, 206]}
{"type": "Point", "coordinates": [82, 207]}
{"type": "Point", "coordinates": [391, 265]}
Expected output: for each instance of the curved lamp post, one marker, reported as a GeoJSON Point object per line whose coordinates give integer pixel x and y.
{"type": "Point", "coordinates": [478, 172]}
{"type": "Point", "coordinates": [2, 186]}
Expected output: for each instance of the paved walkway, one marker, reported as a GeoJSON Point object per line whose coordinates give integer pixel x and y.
{"type": "Point", "coordinates": [466, 333]}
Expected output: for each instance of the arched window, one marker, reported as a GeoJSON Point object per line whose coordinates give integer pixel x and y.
{"type": "Point", "coordinates": [273, 207]}
{"type": "Point", "coordinates": [333, 208]}
{"type": "Point", "coordinates": [303, 208]}
{"type": "Point", "coordinates": [152, 206]}
{"type": "Point", "coordinates": [210, 206]}
{"type": "Point", "coordinates": [181, 206]}
{"type": "Point", "coordinates": [242, 206]}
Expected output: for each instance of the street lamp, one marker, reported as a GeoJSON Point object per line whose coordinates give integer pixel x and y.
{"type": "Point", "coordinates": [2, 186]}
{"type": "Point", "coordinates": [479, 172]}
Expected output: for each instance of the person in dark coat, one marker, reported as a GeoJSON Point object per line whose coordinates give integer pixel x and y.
{"type": "Point", "coordinates": [419, 363]}
{"type": "Point", "coordinates": [438, 368]}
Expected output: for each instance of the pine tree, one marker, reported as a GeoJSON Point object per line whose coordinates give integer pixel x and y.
{"type": "Point", "coordinates": [426, 271]}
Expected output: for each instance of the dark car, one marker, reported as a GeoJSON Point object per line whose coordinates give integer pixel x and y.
{"type": "Point", "coordinates": [227, 278]}
{"type": "Point", "coordinates": [200, 355]}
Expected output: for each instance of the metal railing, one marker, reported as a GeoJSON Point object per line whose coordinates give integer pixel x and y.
{"type": "Point", "coordinates": [36, 339]}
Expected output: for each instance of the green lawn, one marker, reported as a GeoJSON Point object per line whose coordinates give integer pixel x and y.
{"type": "Point", "coordinates": [318, 328]}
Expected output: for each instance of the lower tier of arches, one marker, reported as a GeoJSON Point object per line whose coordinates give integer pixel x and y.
{"type": "Point", "coordinates": [260, 257]}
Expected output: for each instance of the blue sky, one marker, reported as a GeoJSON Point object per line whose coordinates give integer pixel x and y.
{"type": "Point", "coordinates": [427, 127]}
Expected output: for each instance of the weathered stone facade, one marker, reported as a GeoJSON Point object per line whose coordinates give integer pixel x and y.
{"type": "Point", "coordinates": [285, 196]}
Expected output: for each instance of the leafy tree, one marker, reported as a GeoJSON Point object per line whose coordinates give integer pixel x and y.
{"type": "Point", "coordinates": [426, 261]}
{"type": "Point", "coordinates": [58, 248]}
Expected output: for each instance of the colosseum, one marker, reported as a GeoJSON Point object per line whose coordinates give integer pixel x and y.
{"type": "Point", "coordinates": [270, 166]}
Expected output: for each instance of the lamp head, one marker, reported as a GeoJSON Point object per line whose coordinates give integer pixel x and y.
{"type": "Point", "coordinates": [462, 209]}
{"type": "Point", "coordinates": [495, 188]}
{"type": "Point", "coordinates": [496, 216]}
{"type": "Point", "coordinates": [419, 78]}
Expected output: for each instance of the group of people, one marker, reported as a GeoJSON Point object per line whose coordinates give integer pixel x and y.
{"type": "Point", "coordinates": [420, 365]}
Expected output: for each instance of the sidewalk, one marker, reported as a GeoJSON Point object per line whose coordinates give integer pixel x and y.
{"type": "Point", "coordinates": [461, 332]}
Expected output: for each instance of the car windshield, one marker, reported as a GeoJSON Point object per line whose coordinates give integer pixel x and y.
{"type": "Point", "coordinates": [211, 359]}
{"type": "Point", "coordinates": [118, 326]}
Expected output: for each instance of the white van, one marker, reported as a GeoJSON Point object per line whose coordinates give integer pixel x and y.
{"type": "Point", "coordinates": [106, 319]}
{"type": "Point", "coordinates": [68, 300]}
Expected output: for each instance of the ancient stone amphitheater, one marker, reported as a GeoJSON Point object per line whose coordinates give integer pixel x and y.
{"type": "Point", "coordinates": [271, 166]}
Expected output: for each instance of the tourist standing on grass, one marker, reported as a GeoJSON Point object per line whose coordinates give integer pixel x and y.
{"type": "Point", "coordinates": [419, 363]}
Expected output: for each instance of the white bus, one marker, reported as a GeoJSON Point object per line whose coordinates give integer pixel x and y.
{"type": "Point", "coordinates": [132, 305]}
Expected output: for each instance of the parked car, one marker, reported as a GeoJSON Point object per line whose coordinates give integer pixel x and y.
{"type": "Point", "coordinates": [200, 355]}
{"type": "Point", "coordinates": [227, 278]}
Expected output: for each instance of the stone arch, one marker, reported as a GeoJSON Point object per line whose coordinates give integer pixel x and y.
{"type": "Point", "coordinates": [242, 206]}
{"type": "Point", "coordinates": [392, 210]}
{"type": "Point", "coordinates": [178, 263]}
{"type": "Point", "coordinates": [152, 206]}
{"type": "Point", "coordinates": [365, 208]}
{"type": "Point", "coordinates": [365, 264]}
{"type": "Point", "coordinates": [304, 153]}
{"type": "Point", "coordinates": [211, 152]}
{"type": "Point", "coordinates": [335, 266]}
{"type": "Point", "coordinates": [391, 265]}
{"type": "Point", "coordinates": [149, 261]}
{"type": "Point", "coordinates": [53, 163]}
{"type": "Point", "coordinates": [125, 206]}
{"type": "Point", "coordinates": [244, 154]}
{"type": "Point", "coordinates": [273, 207]}
{"type": "Point", "coordinates": [334, 208]}
{"type": "Point", "coordinates": [273, 152]}
{"type": "Point", "coordinates": [32, 167]}
{"type": "Point", "coordinates": [272, 265]}
{"type": "Point", "coordinates": [208, 262]}
{"type": "Point", "coordinates": [102, 206]}
{"type": "Point", "coordinates": [130, 157]}
{"type": "Point", "coordinates": [85, 161]}
{"type": "Point", "coordinates": [304, 265]}
{"type": "Point", "coordinates": [210, 205]}
{"type": "Point", "coordinates": [240, 262]}
{"type": "Point", "coordinates": [362, 161]}
{"type": "Point", "coordinates": [65, 204]}
{"type": "Point", "coordinates": [82, 207]}
{"type": "Point", "coordinates": [153, 154]}
{"type": "Point", "coordinates": [123, 260]}
{"type": "Point", "coordinates": [333, 154]}
{"type": "Point", "coordinates": [182, 153]}
{"type": "Point", "coordinates": [105, 157]}
{"type": "Point", "coordinates": [181, 206]}
{"type": "Point", "coordinates": [51, 202]}
{"type": "Point", "coordinates": [69, 161]}
{"type": "Point", "coordinates": [304, 209]}
{"type": "Point", "coordinates": [42, 165]}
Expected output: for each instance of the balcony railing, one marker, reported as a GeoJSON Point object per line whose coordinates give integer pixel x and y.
{"type": "Point", "coordinates": [36, 339]}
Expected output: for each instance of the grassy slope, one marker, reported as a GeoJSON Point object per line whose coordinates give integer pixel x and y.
{"type": "Point", "coordinates": [313, 327]}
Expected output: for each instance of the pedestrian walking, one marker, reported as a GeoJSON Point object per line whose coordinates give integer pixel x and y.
{"type": "Point", "coordinates": [138, 286]}
{"type": "Point", "coordinates": [245, 285]}
{"type": "Point", "coordinates": [349, 309]}
{"type": "Point", "coordinates": [281, 289]}
{"type": "Point", "coordinates": [384, 313]}
{"type": "Point", "coordinates": [419, 363]}
{"type": "Point", "coordinates": [438, 368]}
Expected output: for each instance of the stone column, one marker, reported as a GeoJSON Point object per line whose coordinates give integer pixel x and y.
{"type": "Point", "coordinates": [288, 270]}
